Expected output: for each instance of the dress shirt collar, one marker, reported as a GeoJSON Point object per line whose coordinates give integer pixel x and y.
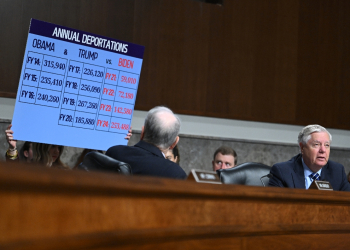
{"type": "Point", "coordinates": [307, 172]}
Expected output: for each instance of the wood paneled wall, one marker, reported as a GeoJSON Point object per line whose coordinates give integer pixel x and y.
{"type": "Point", "coordinates": [259, 60]}
{"type": "Point", "coordinates": [105, 17]}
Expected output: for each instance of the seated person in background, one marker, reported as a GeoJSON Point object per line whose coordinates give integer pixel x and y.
{"type": "Point", "coordinates": [158, 135]}
{"type": "Point", "coordinates": [82, 155]}
{"type": "Point", "coordinates": [47, 154]}
{"type": "Point", "coordinates": [173, 155]}
{"type": "Point", "coordinates": [25, 154]}
{"type": "Point", "coordinates": [85, 151]}
{"type": "Point", "coordinates": [300, 171]}
{"type": "Point", "coordinates": [224, 157]}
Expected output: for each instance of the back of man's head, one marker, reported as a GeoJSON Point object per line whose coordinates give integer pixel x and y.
{"type": "Point", "coordinates": [161, 127]}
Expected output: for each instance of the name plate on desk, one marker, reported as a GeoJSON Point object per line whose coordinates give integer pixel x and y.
{"type": "Point", "coordinates": [203, 176]}
{"type": "Point", "coordinates": [321, 185]}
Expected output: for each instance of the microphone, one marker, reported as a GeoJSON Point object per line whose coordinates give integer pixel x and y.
{"type": "Point", "coordinates": [268, 176]}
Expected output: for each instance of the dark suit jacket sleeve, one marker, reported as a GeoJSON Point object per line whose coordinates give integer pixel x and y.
{"type": "Point", "coordinates": [345, 185]}
{"type": "Point", "coordinates": [276, 180]}
{"type": "Point", "coordinates": [179, 173]}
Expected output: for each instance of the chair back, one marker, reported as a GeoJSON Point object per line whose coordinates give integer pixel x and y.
{"type": "Point", "coordinates": [95, 161]}
{"type": "Point", "coordinates": [248, 173]}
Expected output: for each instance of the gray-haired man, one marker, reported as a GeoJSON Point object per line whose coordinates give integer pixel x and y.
{"type": "Point", "coordinates": [312, 163]}
{"type": "Point", "coordinates": [159, 134]}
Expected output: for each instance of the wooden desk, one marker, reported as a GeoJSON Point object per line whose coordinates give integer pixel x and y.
{"type": "Point", "coordinates": [44, 208]}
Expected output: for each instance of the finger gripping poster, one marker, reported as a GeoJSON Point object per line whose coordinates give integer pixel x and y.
{"type": "Point", "coordinates": [76, 88]}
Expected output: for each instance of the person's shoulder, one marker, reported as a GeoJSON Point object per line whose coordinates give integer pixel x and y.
{"type": "Point", "coordinates": [289, 162]}
{"type": "Point", "coordinates": [174, 170]}
{"type": "Point", "coordinates": [117, 149]}
{"type": "Point", "coordinates": [334, 164]}
{"type": "Point", "coordinates": [148, 147]}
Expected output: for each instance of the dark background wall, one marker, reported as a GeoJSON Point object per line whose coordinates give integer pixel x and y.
{"type": "Point", "coordinates": [260, 60]}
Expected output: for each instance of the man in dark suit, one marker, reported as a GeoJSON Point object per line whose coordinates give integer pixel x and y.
{"type": "Point", "coordinates": [159, 135]}
{"type": "Point", "coordinates": [312, 163]}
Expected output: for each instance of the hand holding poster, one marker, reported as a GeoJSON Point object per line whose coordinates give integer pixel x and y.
{"type": "Point", "coordinates": [76, 89]}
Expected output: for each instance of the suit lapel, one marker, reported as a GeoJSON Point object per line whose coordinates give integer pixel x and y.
{"type": "Point", "coordinates": [324, 172]}
{"type": "Point", "coordinates": [298, 173]}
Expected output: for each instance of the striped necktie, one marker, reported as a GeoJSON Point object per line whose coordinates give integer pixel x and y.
{"type": "Point", "coordinates": [315, 176]}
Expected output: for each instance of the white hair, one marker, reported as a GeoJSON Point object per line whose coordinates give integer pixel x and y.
{"type": "Point", "coordinates": [158, 131]}
{"type": "Point", "coordinates": [305, 134]}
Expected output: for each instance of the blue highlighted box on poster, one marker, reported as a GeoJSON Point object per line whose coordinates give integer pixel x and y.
{"type": "Point", "coordinates": [31, 77]}
{"type": "Point", "coordinates": [72, 85]}
{"type": "Point", "coordinates": [108, 92]}
{"type": "Point", "coordinates": [128, 80]}
{"type": "Point", "coordinates": [51, 81]}
{"type": "Point", "coordinates": [118, 125]}
{"type": "Point", "coordinates": [84, 120]}
{"type": "Point", "coordinates": [103, 123]}
{"type": "Point", "coordinates": [47, 97]}
{"type": "Point", "coordinates": [78, 93]}
{"type": "Point", "coordinates": [75, 69]}
{"type": "Point", "coordinates": [87, 104]}
{"type": "Point", "coordinates": [69, 101]}
{"type": "Point", "coordinates": [66, 117]}
{"type": "Point", "coordinates": [54, 64]}
{"type": "Point", "coordinates": [125, 95]}
{"type": "Point", "coordinates": [90, 88]}
{"type": "Point", "coordinates": [27, 94]}
{"type": "Point", "coordinates": [34, 60]}
{"type": "Point", "coordinates": [106, 107]}
{"type": "Point", "coordinates": [122, 110]}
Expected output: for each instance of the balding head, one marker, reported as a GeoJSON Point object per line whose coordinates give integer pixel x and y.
{"type": "Point", "coordinates": [161, 127]}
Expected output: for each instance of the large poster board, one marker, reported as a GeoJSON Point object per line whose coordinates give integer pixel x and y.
{"type": "Point", "coordinates": [76, 88]}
